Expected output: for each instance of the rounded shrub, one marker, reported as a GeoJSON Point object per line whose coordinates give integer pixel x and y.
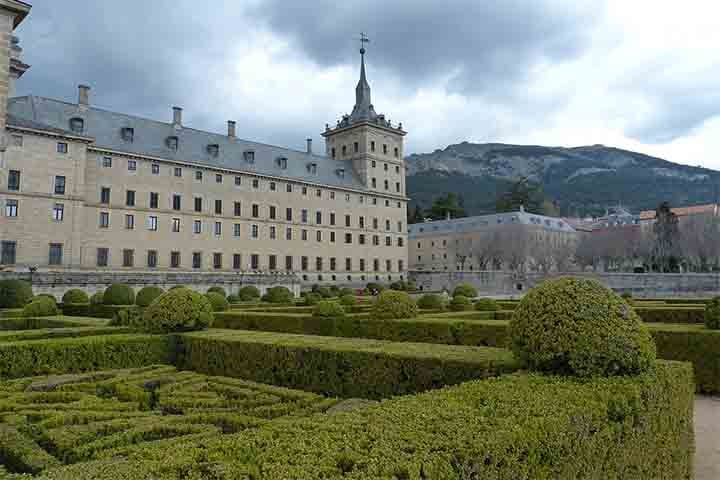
{"type": "Point", "coordinates": [177, 310]}
{"type": "Point", "coordinates": [97, 298]}
{"type": "Point", "coordinates": [579, 327]}
{"type": "Point", "coordinates": [328, 309]}
{"type": "Point", "coordinates": [249, 293]}
{"type": "Point", "coordinates": [324, 292]}
{"type": "Point", "coordinates": [312, 298]}
{"type": "Point", "coordinates": [348, 300]}
{"type": "Point", "coordinates": [233, 298]}
{"type": "Point", "coordinates": [391, 304]}
{"type": "Point", "coordinates": [345, 291]}
{"type": "Point", "coordinates": [119, 294]}
{"type": "Point", "coordinates": [431, 301]}
{"type": "Point", "coordinates": [466, 290]}
{"type": "Point", "coordinates": [14, 293]}
{"type": "Point", "coordinates": [486, 305]}
{"type": "Point", "coordinates": [217, 301]}
{"type": "Point", "coordinates": [460, 303]}
{"type": "Point", "coordinates": [373, 288]}
{"type": "Point", "coordinates": [75, 296]}
{"type": "Point", "coordinates": [334, 291]}
{"type": "Point", "coordinates": [45, 295]}
{"type": "Point", "coordinates": [147, 295]}
{"type": "Point", "coordinates": [278, 295]}
{"type": "Point", "coordinates": [218, 290]}
{"type": "Point", "coordinates": [40, 307]}
{"type": "Point", "coordinates": [712, 314]}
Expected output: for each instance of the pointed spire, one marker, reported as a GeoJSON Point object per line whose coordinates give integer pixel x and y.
{"type": "Point", "coordinates": [363, 109]}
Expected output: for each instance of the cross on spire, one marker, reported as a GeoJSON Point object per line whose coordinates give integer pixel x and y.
{"type": "Point", "coordinates": [363, 40]}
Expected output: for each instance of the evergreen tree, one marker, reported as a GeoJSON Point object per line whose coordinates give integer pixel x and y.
{"type": "Point", "coordinates": [667, 233]}
{"type": "Point", "coordinates": [450, 204]}
{"type": "Point", "coordinates": [524, 193]}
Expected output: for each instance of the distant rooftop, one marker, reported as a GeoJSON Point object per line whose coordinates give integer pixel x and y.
{"type": "Point", "coordinates": [683, 211]}
{"type": "Point", "coordinates": [482, 222]}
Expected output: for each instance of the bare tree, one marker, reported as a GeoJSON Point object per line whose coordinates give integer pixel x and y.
{"type": "Point", "coordinates": [699, 242]}
{"type": "Point", "coordinates": [514, 245]}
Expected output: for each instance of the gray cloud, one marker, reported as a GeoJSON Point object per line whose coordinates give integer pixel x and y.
{"type": "Point", "coordinates": [490, 45]}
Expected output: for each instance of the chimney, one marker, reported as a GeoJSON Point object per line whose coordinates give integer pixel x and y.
{"type": "Point", "coordinates": [177, 117]}
{"type": "Point", "coordinates": [231, 129]}
{"type": "Point", "coordinates": [309, 145]}
{"type": "Point", "coordinates": [83, 95]}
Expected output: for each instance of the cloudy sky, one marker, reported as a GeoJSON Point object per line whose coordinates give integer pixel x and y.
{"type": "Point", "coordinates": [640, 74]}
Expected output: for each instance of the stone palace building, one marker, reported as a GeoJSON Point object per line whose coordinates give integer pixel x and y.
{"type": "Point", "coordinates": [84, 188]}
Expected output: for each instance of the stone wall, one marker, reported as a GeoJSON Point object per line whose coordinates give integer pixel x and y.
{"type": "Point", "coordinates": [57, 283]}
{"type": "Point", "coordinates": [650, 285]}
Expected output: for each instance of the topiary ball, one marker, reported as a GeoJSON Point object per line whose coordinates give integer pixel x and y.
{"type": "Point", "coordinates": [178, 310]}
{"type": "Point", "coordinates": [218, 290]}
{"type": "Point", "coordinates": [14, 293]}
{"type": "Point", "coordinates": [147, 295]}
{"type": "Point", "coordinates": [328, 309]}
{"type": "Point", "coordinates": [233, 298]}
{"type": "Point", "coordinates": [249, 293]}
{"type": "Point", "coordinates": [75, 296]}
{"type": "Point", "coordinates": [466, 290]}
{"type": "Point", "coordinates": [119, 294]}
{"type": "Point", "coordinates": [486, 305]}
{"type": "Point", "coordinates": [217, 301]}
{"type": "Point", "coordinates": [346, 291]}
{"type": "Point", "coordinates": [97, 298]}
{"type": "Point", "coordinates": [579, 327]}
{"type": "Point", "coordinates": [712, 314]}
{"type": "Point", "coordinates": [460, 303]}
{"type": "Point", "coordinates": [312, 298]}
{"type": "Point", "coordinates": [391, 304]}
{"type": "Point", "coordinates": [348, 300]}
{"type": "Point", "coordinates": [431, 301]}
{"type": "Point", "coordinates": [278, 295]}
{"type": "Point", "coordinates": [40, 307]}
{"type": "Point", "coordinates": [46, 295]}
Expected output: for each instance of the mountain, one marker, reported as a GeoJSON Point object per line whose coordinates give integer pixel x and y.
{"type": "Point", "coordinates": [580, 180]}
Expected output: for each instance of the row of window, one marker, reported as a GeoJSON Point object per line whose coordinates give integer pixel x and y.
{"type": "Point", "coordinates": [14, 182]}
{"type": "Point", "coordinates": [356, 149]}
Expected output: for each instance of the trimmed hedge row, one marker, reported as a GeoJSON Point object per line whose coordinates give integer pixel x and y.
{"type": "Point", "coordinates": [338, 366]}
{"type": "Point", "coordinates": [41, 357]}
{"type": "Point", "coordinates": [62, 332]}
{"type": "Point", "coordinates": [514, 426]}
{"type": "Point", "coordinates": [671, 314]}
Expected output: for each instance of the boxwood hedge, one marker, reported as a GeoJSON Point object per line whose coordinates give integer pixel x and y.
{"type": "Point", "coordinates": [671, 314]}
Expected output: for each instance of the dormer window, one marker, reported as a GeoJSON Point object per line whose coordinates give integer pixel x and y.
{"type": "Point", "coordinates": [127, 134]}
{"type": "Point", "coordinates": [249, 156]}
{"type": "Point", "coordinates": [282, 162]}
{"type": "Point", "coordinates": [312, 168]}
{"type": "Point", "coordinates": [213, 149]}
{"type": "Point", "coordinates": [77, 125]}
{"type": "Point", "coordinates": [340, 172]}
{"type": "Point", "coordinates": [172, 142]}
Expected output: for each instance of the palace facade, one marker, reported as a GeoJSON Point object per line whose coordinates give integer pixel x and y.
{"type": "Point", "coordinates": [86, 188]}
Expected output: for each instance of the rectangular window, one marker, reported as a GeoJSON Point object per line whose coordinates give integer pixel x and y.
{"type": "Point", "coordinates": [304, 190]}
{"type": "Point", "coordinates": [198, 204]}
{"type": "Point", "coordinates": [178, 171]}
{"type": "Point", "coordinates": [401, 266]}
{"type": "Point", "coordinates": [105, 195]}
{"type": "Point", "coordinates": [387, 225]}
{"type": "Point", "coordinates": [130, 198]}
{"type": "Point", "coordinates": [397, 187]}
{"type": "Point", "coordinates": [238, 180]}
{"type": "Point", "coordinates": [237, 209]}
{"type": "Point", "coordinates": [288, 233]}
{"type": "Point", "coordinates": [236, 230]}
{"type": "Point", "coordinates": [318, 235]}
{"type": "Point", "coordinates": [218, 207]}
{"type": "Point", "coordinates": [56, 254]}
{"type": "Point", "coordinates": [385, 149]}
{"type": "Point", "coordinates": [102, 257]}
{"type": "Point", "coordinates": [155, 169]}
{"type": "Point", "coordinates": [288, 214]}
{"type": "Point", "coordinates": [385, 166]}
{"type": "Point", "coordinates": [273, 232]}
{"type": "Point", "coordinates": [272, 186]}
{"type": "Point", "coordinates": [374, 182]}
{"type": "Point", "coordinates": [175, 259]}
{"type": "Point", "coordinates": [333, 263]}
{"type": "Point", "coordinates": [376, 240]}
{"type": "Point", "coordinates": [397, 152]}
{"type": "Point", "coordinates": [256, 183]}
{"type": "Point", "coordinates": [361, 221]}
{"type": "Point", "coordinates": [318, 218]}
{"type": "Point", "coordinates": [59, 185]}
{"type": "Point", "coordinates": [8, 253]}
{"type": "Point", "coordinates": [129, 222]}
{"type": "Point", "coordinates": [375, 223]}
{"type": "Point", "coordinates": [332, 154]}
{"type": "Point", "coordinates": [303, 235]}
{"type": "Point", "coordinates": [255, 210]}
{"type": "Point", "coordinates": [388, 241]}
{"type": "Point", "coordinates": [198, 175]}
{"type": "Point", "coordinates": [196, 260]}
{"type": "Point", "coordinates": [356, 147]}
{"type": "Point", "coordinates": [152, 223]}
{"type": "Point", "coordinates": [104, 219]}
{"type": "Point", "coordinates": [332, 219]}
{"type": "Point", "coordinates": [11, 208]}
{"type": "Point", "coordinates": [237, 261]}
{"type": "Point", "coordinates": [288, 188]}
{"type": "Point", "coordinates": [362, 264]}
{"type": "Point", "coordinates": [400, 241]}
{"type": "Point", "coordinates": [304, 215]}
{"type": "Point", "coordinates": [332, 195]}
{"type": "Point", "coordinates": [176, 225]}
{"type": "Point", "coordinates": [318, 264]}
{"type": "Point", "coordinates": [273, 212]}
{"type": "Point", "coordinates": [348, 238]}
{"type": "Point", "coordinates": [304, 264]}
{"type": "Point", "coordinates": [376, 265]}
{"type": "Point", "coordinates": [254, 230]}
{"type": "Point", "coordinates": [254, 261]}
{"type": "Point", "coordinates": [347, 220]}
{"type": "Point", "coordinates": [58, 212]}
{"type": "Point", "coordinates": [387, 186]}
{"type": "Point", "coordinates": [14, 180]}
{"type": "Point", "coordinates": [388, 266]}
{"type": "Point", "coordinates": [218, 228]}
{"type": "Point", "coordinates": [154, 200]}
{"type": "Point", "coordinates": [348, 264]}
{"type": "Point", "coordinates": [132, 165]}
{"type": "Point", "coordinates": [217, 261]}
{"type": "Point", "coordinates": [152, 258]}
{"type": "Point", "coordinates": [288, 263]}
{"type": "Point", "coordinates": [176, 202]}
{"type": "Point", "coordinates": [128, 258]}
{"type": "Point", "coordinates": [332, 237]}
{"type": "Point", "coordinates": [361, 239]}
{"type": "Point", "coordinates": [218, 178]}
{"type": "Point", "coordinates": [372, 146]}
{"type": "Point", "coordinates": [272, 262]}
{"type": "Point", "coordinates": [197, 226]}
{"type": "Point", "coordinates": [62, 147]}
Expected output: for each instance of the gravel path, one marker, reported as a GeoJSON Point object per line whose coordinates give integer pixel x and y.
{"type": "Point", "coordinates": [707, 438]}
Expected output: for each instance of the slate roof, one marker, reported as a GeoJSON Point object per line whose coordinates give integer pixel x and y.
{"type": "Point", "coordinates": [150, 136]}
{"type": "Point", "coordinates": [482, 222]}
